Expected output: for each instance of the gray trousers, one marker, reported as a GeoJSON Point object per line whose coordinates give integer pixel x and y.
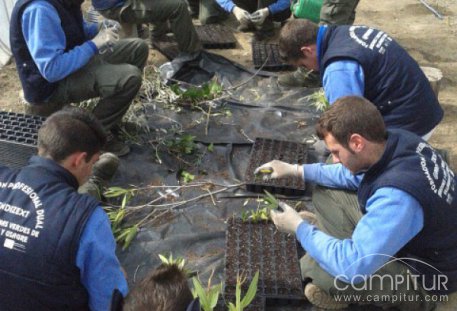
{"type": "Point", "coordinates": [115, 77]}
{"type": "Point", "coordinates": [338, 213]}
{"type": "Point", "coordinates": [338, 12]}
{"type": "Point", "coordinates": [158, 12]}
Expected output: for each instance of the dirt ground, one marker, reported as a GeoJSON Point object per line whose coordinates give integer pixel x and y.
{"type": "Point", "coordinates": [431, 41]}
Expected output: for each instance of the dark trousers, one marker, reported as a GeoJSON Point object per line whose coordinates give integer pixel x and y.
{"type": "Point", "coordinates": [115, 77]}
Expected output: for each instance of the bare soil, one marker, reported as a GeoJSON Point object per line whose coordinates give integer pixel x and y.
{"type": "Point", "coordinates": [431, 41]}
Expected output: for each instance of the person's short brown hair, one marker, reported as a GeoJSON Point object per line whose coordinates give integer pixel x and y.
{"type": "Point", "coordinates": [352, 115]}
{"type": "Point", "coordinates": [296, 34]}
{"type": "Point", "coordinates": [70, 130]}
{"type": "Point", "coordinates": [164, 289]}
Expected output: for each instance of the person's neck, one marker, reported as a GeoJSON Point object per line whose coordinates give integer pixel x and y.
{"type": "Point", "coordinates": [376, 150]}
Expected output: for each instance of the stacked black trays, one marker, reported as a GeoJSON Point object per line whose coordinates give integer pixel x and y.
{"type": "Point", "coordinates": [266, 56]}
{"type": "Point", "coordinates": [214, 36]}
{"type": "Point", "coordinates": [18, 138]}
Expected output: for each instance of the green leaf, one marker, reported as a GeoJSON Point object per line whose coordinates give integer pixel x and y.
{"type": "Point", "coordinates": [132, 231]}
{"type": "Point", "coordinates": [122, 235]}
{"type": "Point", "coordinates": [238, 293]}
{"type": "Point", "coordinates": [113, 192]}
{"type": "Point", "coordinates": [231, 307]}
{"type": "Point", "coordinates": [252, 290]}
{"type": "Point", "coordinates": [200, 293]}
{"type": "Point", "coordinates": [271, 200]}
{"type": "Point", "coordinates": [214, 295]}
{"type": "Point", "coordinates": [120, 214]}
{"type": "Point", "coordinates": [163, 259]}
{"type": "Point", "coordinates": [211, 147]}
{"type": "Point", "coordinates": [187, 177]}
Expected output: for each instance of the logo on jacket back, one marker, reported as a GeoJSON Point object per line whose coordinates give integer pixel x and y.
{"type": "Point", "coordinates": [370, 38]}
{"type": "Point", "coordinates": [440, 177]}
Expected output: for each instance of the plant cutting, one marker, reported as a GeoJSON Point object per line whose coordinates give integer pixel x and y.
{"type": "Point", "coordinates": [241, 303]}
{"type": "Point", "coordinates": [208, 296]}
{"type": "Point", "coordinates": [123, 235]}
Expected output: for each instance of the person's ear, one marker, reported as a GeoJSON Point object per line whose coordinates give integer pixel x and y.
{"type": "Point", "coordinates": [306, 51]}
{"type": "Point", "coordinates": [79, 158]}
{"type": "Point", "coordinates": [356, 143]}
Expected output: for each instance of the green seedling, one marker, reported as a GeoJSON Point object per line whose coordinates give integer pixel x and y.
{"type": "Point", "coordinates": [319, 101]}
{"type": "Point", "coordinates": [187, 177]}
{"type": "Point", "coordinates": [208, 296]}
{"type": "Point", "coordinates": [126, 236]}
{"type": "Point", "coordinates": [182, 145]}
{"type": "Point", "coordinates": [241, 303]}
{"type": "Point", "coordinates": [197, 94]}
{"type": "Point", "coordinates": [270, 200]}
{"type": "Point", "coordinates": [178, 261]}
{"type": "Point", "coordinates": [261, 213]}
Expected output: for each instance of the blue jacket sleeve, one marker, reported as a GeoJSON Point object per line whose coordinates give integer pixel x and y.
{"type": "Point", "coordinates": [279, 6]}
{"type": "Point", "coordinates": [101, 271]}
{"type": "Point", "coordinates": [274, 8]}
{"type": "Point", "coordinates": [227, 5]}
{"type": "Point", "coordinates": [393, 218]}
{"type": "Point", "coordinates": [90, 30]}
{"type": "Point", "coordinates": [46, 42]}
{"type": "Point", "coordinates": [343, 78]}
{"type": "Point", "coordinates": [331, 175]}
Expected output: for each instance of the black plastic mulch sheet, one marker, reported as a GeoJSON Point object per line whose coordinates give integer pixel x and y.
{"type": "Point", "coordinates": [196, 230]}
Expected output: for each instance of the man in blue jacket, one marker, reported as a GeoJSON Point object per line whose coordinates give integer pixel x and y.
{"type": "Point", "coordinates": [406, 208]}
{"type": "Point", "coordinates": [58, 250]}
{"type": "Point", "coordinates": [59, 60]}
{"type": "Point", "coordinates": [333, 12]}
{"type": "Point", "coordinates": [252, 15]}
{"type": "Point", "coordinates": [362, 61]}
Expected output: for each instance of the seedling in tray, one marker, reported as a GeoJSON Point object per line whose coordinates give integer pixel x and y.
{"type": "Point", "coordinates": [261, 214]}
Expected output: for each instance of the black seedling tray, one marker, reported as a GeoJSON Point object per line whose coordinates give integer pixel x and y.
{"type": "Point", "coordinates": [18, 138]}
{"type": "Point", "coordinates": [216, 36]}
{"type": "Point", "coordinates": [167, 46]}
{"type": "Point", "coordinates": [252, 247]}
{"type": "Point", "coordinates": [266, 150]}
{"type": "Point", "coordinates": [261, 51]}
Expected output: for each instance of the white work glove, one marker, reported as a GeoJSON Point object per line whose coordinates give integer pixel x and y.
{"type": "Point", "coordinates": [286, 221]}
{"type": "Point", "coordinates": [259, 16]}
{"type": "Point", "coordinates": [106, 38]}
{"type": "Point", "coordinates": [109, 23]}
{"type": "Point", "coordinates": [279, 169]}
{"type": "Point", "coordinates": [241, 15]}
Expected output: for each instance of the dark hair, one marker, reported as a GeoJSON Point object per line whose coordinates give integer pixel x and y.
{"type": "Point", "coordinates": [296, 34]}
{"type": "Point", "coordinates": [70, 130]}
{"type": "Point", "coordinates": [164, 289]}
{"type": "Point", "coordinates": [352, 115]}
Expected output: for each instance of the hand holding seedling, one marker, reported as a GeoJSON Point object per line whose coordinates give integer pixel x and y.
{"type": "Point", "coordinates": [279, 169]}
{"type": "Point", "coordinates": [286, 221]}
